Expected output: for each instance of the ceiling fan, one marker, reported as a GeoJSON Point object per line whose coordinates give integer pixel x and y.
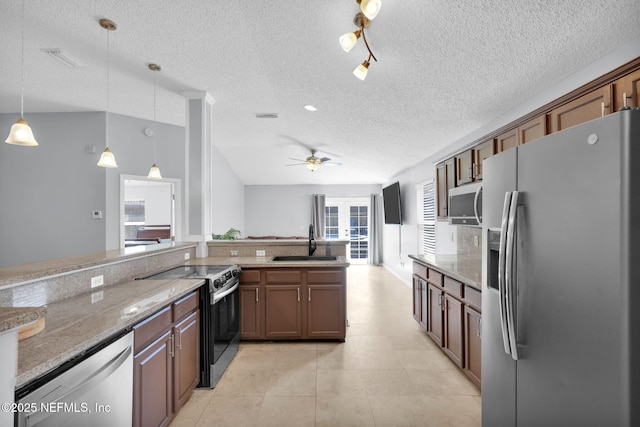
{"type": "Point", "coordinates": [312, 162]}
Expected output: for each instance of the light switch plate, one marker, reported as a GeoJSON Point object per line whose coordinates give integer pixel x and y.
{"type": "Point", "coordinates": [260, 252]}
{"type": "Point", "coordinates": [97, 281]}
{"type": "Point", "coordinates": [187, 255]}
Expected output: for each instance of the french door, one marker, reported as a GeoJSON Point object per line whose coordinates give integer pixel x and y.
{"type": "Point", "coordinates": [349, 219]}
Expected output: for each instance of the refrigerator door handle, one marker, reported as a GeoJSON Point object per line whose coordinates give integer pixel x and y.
{"type": "Point", "coordinates": [502, 255]}
{"type": "Point", "coordinates": [510, 276]}
{"type": "Point", "coordinates": [475, 205]}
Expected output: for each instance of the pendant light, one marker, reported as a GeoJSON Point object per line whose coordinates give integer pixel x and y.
{"type": "Point", "coordinates": [154, 172]}
{"type": "Point", "coordinates": [107, 159]}
{"type": "Point", "coordinates": [370, 8]}
{"type": "Point", "coordinates": [21, 133]}
{"type": "Point", "coordinates": [349, 40]}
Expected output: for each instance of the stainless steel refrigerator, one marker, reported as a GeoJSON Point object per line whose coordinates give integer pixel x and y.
{"type": "Point", "coordinates": [561, 279]}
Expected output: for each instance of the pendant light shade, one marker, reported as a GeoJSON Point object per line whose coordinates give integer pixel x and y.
{"type": "Point", "coordinates": [107, 159]}
{"type": "Point", "coordinates": [348, 40]}
{"type": "Point", "coordinates": [361, 70]}
{"type": "Point", "coordinates": [21, 134]}
{"type": "Point", "coordinates": [370, 8]}
{"type": "Point", "coordinates": [154, 172]}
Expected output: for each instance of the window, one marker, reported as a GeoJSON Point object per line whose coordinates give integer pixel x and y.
{"type": "Point", "coordinates": [426, 218]}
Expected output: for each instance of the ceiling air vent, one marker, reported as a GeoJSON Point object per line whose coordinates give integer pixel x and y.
{"type": "Point", "coordinates": [63, 57]}
{"type": "Point", "coordinates": [266, 115]}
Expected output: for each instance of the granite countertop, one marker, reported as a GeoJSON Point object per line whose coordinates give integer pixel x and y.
{"type": "Point", "coordinates": [76, 324]}
{"type": "Point", "coordinates": [16, 317]}
{"type": "Point", "coordinates": [258, 262]}
{"type": "Point", "coordinates": [464, 268]}
{"type": "Point", "coordinates": [37, 270]}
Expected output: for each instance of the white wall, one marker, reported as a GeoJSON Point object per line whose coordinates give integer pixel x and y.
{"type": "Point", "coordinates": [134, 154]}
{"type": "Point", "coordinates": [48, 192]}
{"type": "Point", "coordinates": [401, 265]}
{"type": "Point", "coordinates": [285, 210]}
{"type": "Point", "coordinates": [228, 197]}
{"type": "Point", "coordinates": [156, 196]}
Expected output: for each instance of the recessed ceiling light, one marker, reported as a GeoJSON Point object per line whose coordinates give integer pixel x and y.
{"type": "Point", "coordinates": [310, 108]}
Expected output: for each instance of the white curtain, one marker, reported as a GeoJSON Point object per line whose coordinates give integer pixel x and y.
{"type": "Point", "coordinates": [317, 215]}
{"type": "Point", "coordinates": [375, 231]}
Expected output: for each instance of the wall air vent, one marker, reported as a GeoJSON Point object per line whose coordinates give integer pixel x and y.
{"type": "Point", "coordinates": [266, 115]}
{"type": "Point", "coordinates": [63, 57]}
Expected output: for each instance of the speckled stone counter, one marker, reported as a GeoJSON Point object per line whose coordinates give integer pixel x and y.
{"type": "Point", "coordinates": [78, 323]}
{"type": "Point", "coordinates": [271, 247]}
{"type": "Point", "coordinates": [466, 269]}
{"type": "Point", "coordinates": [17, 317]}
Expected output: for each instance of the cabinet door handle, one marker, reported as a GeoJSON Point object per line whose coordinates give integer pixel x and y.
{"type": "Point", "coordinates": [172, 351]}
{"type": "Point", "coordinates": [480, 327]}
{"type": "Point", "coordinates": [309, 292]}
{"type": "Point", "coordinates": [625, 97]}
{"type": "Point", "coordinates": [298, 289]}
{"type": "Point", "coordinates": [604, 107]}
{"type": "Point", "coordinates": [257, 295]}
{"type": "Point", "coordinates": [179, 333]}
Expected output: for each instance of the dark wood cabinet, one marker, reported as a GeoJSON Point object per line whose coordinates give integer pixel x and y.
{"type": "Point", "coordinates": [627, 91]}
{"type": "Point", "coordinates": [293, 303]}
{"type": "Point", "coordinates": [453, 344]}
{"type": "Point", "coordinates": [283, 314]}
{"type": "Point", "coordinates": [445, 180]}
{"type": "Point", "coordinates": [587, 107]}
{"type": "Point", "coordinates": [464, 167]}
{"type": "Point", "coordinates": [166, 361]}
{"type": "Point", "coordinates": [187, 358]}
{"type": "Point", "coordinates": [473, 344]}
{"type": "Point", "coordinates": [251, 304]}
{"type": "Point", "coordinates": [434, 315]}
{"type": "Point", "coordinates": [480, 153]}
{"type": "Point", "coordinates": [507, 140]}
{"type": "Point", "coordinates": [533, 129]}
{"type": "Point", "coordinates": [420, 301]}
{"type": "Point", "coordinates": [153, 383]}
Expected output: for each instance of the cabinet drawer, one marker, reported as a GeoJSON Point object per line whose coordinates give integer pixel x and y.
{"type": "Point", "coordinates": [473, 297]}
{"type": "Point", "coordinates": [420, 270]}
{"type": "Point", "coordinates": [434, 277]}
{"type": "Point", "coordinates": [324, 276]}
{"type": "Point", "coordinates": [284, 276]}
{"type": "Point", "coordinates": [185, 305]}
{"type": "Point", "coordinates": [453, 287]}
{"type": "Point", "coordinates": [250, 276]}
{"type": "Point", "coordinates": [151, 327]}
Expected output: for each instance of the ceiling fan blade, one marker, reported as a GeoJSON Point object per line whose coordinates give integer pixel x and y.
{"type": "Point", "coordinates": [332, 163]}
{"type": "Point", "coordinates": [297, 160]}
{"type": "Point", "coordinates": [297, 164]}
{"type": "Point", "coordinates": [325, 159]}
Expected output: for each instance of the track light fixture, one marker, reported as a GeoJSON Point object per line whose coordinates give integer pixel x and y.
{"type": "Point", "coordinates": [368, 10]}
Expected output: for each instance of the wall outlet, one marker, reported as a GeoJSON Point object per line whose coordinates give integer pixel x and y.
{"type": "Point", "coordinates": [260, 252]}
{"type": "Point", "coordinates": [96, 214]}
{"type": "Point", "coordinates": [96, 297]}
{"type": "Point", "coordinates": [97, 281]}
{"type": "Point", "coordinates": [187, 255]}
{"type": "Point", "coordinates": [234, 253]}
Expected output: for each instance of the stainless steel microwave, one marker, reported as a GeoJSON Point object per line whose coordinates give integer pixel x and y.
{"type": "Point", "coordinates": [465, 205]}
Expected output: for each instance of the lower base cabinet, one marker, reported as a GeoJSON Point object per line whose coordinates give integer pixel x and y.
{"type": "Point", "coordinates": [166, 362]}
{"type": "Point", "coordinates": [293, 303]}
{"type": "Point", "coordinates": [449, 312]}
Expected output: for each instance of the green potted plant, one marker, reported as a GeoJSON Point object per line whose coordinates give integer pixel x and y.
{"type": "Point", "coordinates": [231, 234]}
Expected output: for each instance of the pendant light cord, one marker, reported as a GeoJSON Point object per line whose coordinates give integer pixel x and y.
{"type": "Point", "coordinates": [22, 65]}
{"type": "Point", "coordinates": [106, 141]}
{"type": "Point", "coordinates": [154, 115]}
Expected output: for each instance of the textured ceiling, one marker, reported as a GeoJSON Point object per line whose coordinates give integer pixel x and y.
{"type": "Point", "coordinates": [445, 69]}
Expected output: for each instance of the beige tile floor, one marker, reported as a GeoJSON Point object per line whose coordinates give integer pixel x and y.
{"type": "Point", "coordinates": [386, 373]}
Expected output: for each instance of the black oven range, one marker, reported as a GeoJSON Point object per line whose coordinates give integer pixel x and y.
{"type": "Point", "coordinates": [219, 316]}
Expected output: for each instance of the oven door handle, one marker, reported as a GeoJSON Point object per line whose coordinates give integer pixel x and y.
{"type": "Point", "coordinates": [225, 293]}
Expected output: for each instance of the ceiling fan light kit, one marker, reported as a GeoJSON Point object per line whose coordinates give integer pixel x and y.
{"type": "Point", "coordinates": [368, 10]}
{"type": "Point", "coordinates": [313, 163]}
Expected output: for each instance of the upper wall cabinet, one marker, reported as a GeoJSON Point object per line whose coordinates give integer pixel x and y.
{"type": "Point", "coordinates": [445, 179]}
{"type": "Point", "coordinates": [533, 129]}
{"type": "Point", "coordinates": [627, 91]}
{"type": "Point", "coordinates": [507, 140]}
{"type": "Point", "coordinates": [464, 167]}
{"type": "Point", "coordinates": [588, 107]}
{"type": "Point", "coordinates": [480, 152]}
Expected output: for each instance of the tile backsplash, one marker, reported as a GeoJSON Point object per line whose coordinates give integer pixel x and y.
{"type": "Point", "coordinates": [469, 241]}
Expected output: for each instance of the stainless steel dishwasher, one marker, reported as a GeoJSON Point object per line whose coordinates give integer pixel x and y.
{"type": "Point", "coordinates": [95, 391]}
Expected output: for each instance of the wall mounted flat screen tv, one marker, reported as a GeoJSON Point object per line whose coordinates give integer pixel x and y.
{"type": "Point", "coordinates": [392, 205]}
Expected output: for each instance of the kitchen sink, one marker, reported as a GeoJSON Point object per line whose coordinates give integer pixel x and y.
{"type": "Point", "coordinates": [303, 258]}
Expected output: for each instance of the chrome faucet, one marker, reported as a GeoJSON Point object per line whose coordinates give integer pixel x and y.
{"type": "Point", "coordinates": [312, 241]}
